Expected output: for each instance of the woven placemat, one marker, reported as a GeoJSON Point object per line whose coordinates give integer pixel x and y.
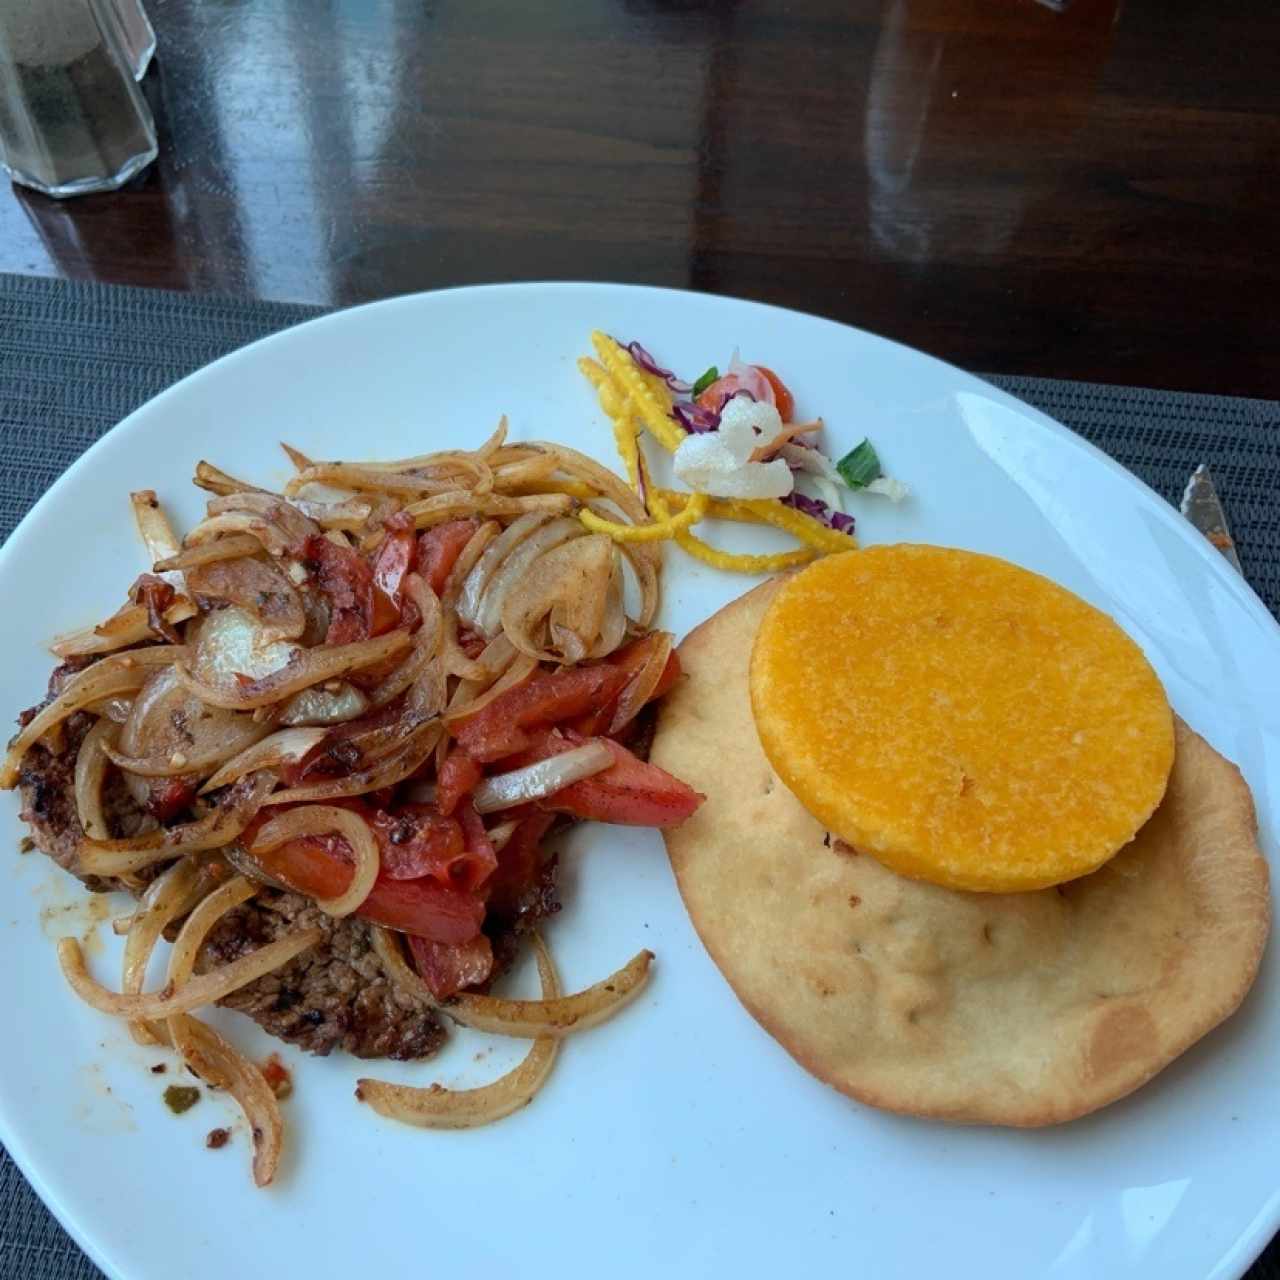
{"type": "Point", "coordinates": [76, 358]}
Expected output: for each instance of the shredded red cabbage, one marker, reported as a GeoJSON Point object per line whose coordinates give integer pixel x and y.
{"type": "Point", "coordinates": [693, 417]}
{"type": "Point", "coordinates": [650, 365]}
{"type": "Point", "coordinates": [815, 507]}
{"type": "Point", "coordinates": [698, 419]}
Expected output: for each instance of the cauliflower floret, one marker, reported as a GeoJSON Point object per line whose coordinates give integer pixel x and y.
{"type": "Point", "coordinates": [707, 466]}
{"type": "Point", "coordinates": [719, 463]}
{"type": "Point", "coordinates": [747, 425]}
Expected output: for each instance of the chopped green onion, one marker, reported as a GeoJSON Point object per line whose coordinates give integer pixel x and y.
{"type": "Point", "coordinates": [705, 381]}
{"type": "Point", "coordinates": [860, 466]}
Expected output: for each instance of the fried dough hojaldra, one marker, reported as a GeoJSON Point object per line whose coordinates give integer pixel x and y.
{"type": "Point", "coordinates": [1020, 1009]}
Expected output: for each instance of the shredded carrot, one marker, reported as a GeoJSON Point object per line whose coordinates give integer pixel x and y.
{"type": "Point", "coordinates": [787, 435]}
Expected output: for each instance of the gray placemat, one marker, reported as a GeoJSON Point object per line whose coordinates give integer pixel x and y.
{"type": "Point", "coordinates": [76, 358]}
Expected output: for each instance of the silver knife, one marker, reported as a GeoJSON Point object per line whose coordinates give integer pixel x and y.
{"type": "Point", "coordinates": [1202, 506]}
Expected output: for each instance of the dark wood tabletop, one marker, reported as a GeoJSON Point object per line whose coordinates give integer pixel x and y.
{"type": "Point", "coordinates": [1080, 189]}
{"type": "Point", "coordinates": [1072, 188]}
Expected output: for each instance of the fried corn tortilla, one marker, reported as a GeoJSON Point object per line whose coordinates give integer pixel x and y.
{"type": "Point", "coordinates": [965, 720]}
{"type": "Point", "coordinates": [1016, 1009]}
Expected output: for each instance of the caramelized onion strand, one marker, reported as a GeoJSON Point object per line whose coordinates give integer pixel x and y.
{"type": "Point", "coordinates": [438, 1108]}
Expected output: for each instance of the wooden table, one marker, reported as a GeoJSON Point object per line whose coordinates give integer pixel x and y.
{"type": "Point", "coordinates": [1079, 189]}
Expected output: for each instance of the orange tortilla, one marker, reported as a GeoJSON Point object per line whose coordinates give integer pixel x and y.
{"type": "Point", "coordinates": [964, 720]}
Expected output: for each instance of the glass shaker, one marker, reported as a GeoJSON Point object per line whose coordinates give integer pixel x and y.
{"type": "Point", "coordinates": [72, 118]}
{"type": "Point", "coordinates": [134, 33]}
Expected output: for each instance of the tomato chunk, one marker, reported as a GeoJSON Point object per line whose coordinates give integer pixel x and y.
{"type": "Point", "coordinates": [439, 549]}
{"type": "Point", "coordinates": [347, 579]}
{"type": "Point", "coordinates": [448, 968]}
{"type": "Point", "coordinates": [168, 797]}
{"type": "Point", "coordinates": [629, 792]}
{"type": "Point", "coordinates": [458, 777]}
{"type": "Point", "coordinates": [416, 841]}
{"type": "Point", "coordinates": [425, 909]}
{"type": "Point", "coordinates": [670, 674]}
{"type": "Point", "coordinates": [394, 561]}
{"type": "Point", "coordinates": [631, 659]}
{"type": "Point", "coordinates": [760, 383]}
{"type": "Point", "coordinates": [479, 846]}
{"type": "Point", "coordinates": [320, 867]}
{"type": "Point", "coordinates": [519, 862]}
{"type": "Point", "coordinates": [547, 697]}
{"type": "Point", "coordinates": [784, 401]}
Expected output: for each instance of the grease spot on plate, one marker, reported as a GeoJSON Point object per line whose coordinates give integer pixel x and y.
{"type": "Point", "coordinates": [100, 1111]}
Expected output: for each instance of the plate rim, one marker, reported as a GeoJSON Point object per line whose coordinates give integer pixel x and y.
{"type": "Point", "coordinates": [1236, 1260]}
{"type": "Point", "coordinates": [127, 425]}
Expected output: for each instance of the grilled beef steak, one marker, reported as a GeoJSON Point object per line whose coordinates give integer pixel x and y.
{"type": "Point", "coordinates": [335, 995]}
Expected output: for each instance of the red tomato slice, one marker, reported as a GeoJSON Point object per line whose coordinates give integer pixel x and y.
{"type": "Point", "coordinates": [168, 797]}
{"type": "Point", "coordinates": [416, 841]}
{"type": "Point", "coordinates": [496, 742]}
{"type": "Point", "coordinates": [773, 388]}
{"type": "Point", "coordinates": [449, 968]}
{"type": "Point", "coordinates": [439, 548]}
{"type": "Point", "coordinates": [347, 579]}
{"type": "Point", "coordinates": [629, 792]}
{"type": "Point", "coordinates": [594, 722]}
{"type": "Point", "coordinates": [670, 674]}
{"type": "Point", "coordinates": [395, 559]}
{"type": "Point", "coordinates": [547, 697]}
{"type": "Point", "coordinates": [519, 862]}
{"type": "Point", "coordinates": [384, 612]}
{"type": "Point", "coordinates": [631, 659]}
{"type": "Point", "coordinates": [749, 378]}
{"type": "Point", "coordinates": [425, 909]}
{"type": "Point", "coordinates": [457, 778]}
{"type": "Point", "coordinates": [783, 400]}
{"type": "Point", "coordinates": [472, 643]}
{"type": "Point", "coordinates": [481, 858]}
{"type": "Point", "coordinates": [320, 867]}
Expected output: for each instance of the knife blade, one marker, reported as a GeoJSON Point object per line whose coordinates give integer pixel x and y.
{"type": "Point", "coordinates": [1202, 506]}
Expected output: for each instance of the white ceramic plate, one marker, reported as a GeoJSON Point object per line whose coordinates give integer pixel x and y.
{"type": "Point", "coordinates": [679, 1140]}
